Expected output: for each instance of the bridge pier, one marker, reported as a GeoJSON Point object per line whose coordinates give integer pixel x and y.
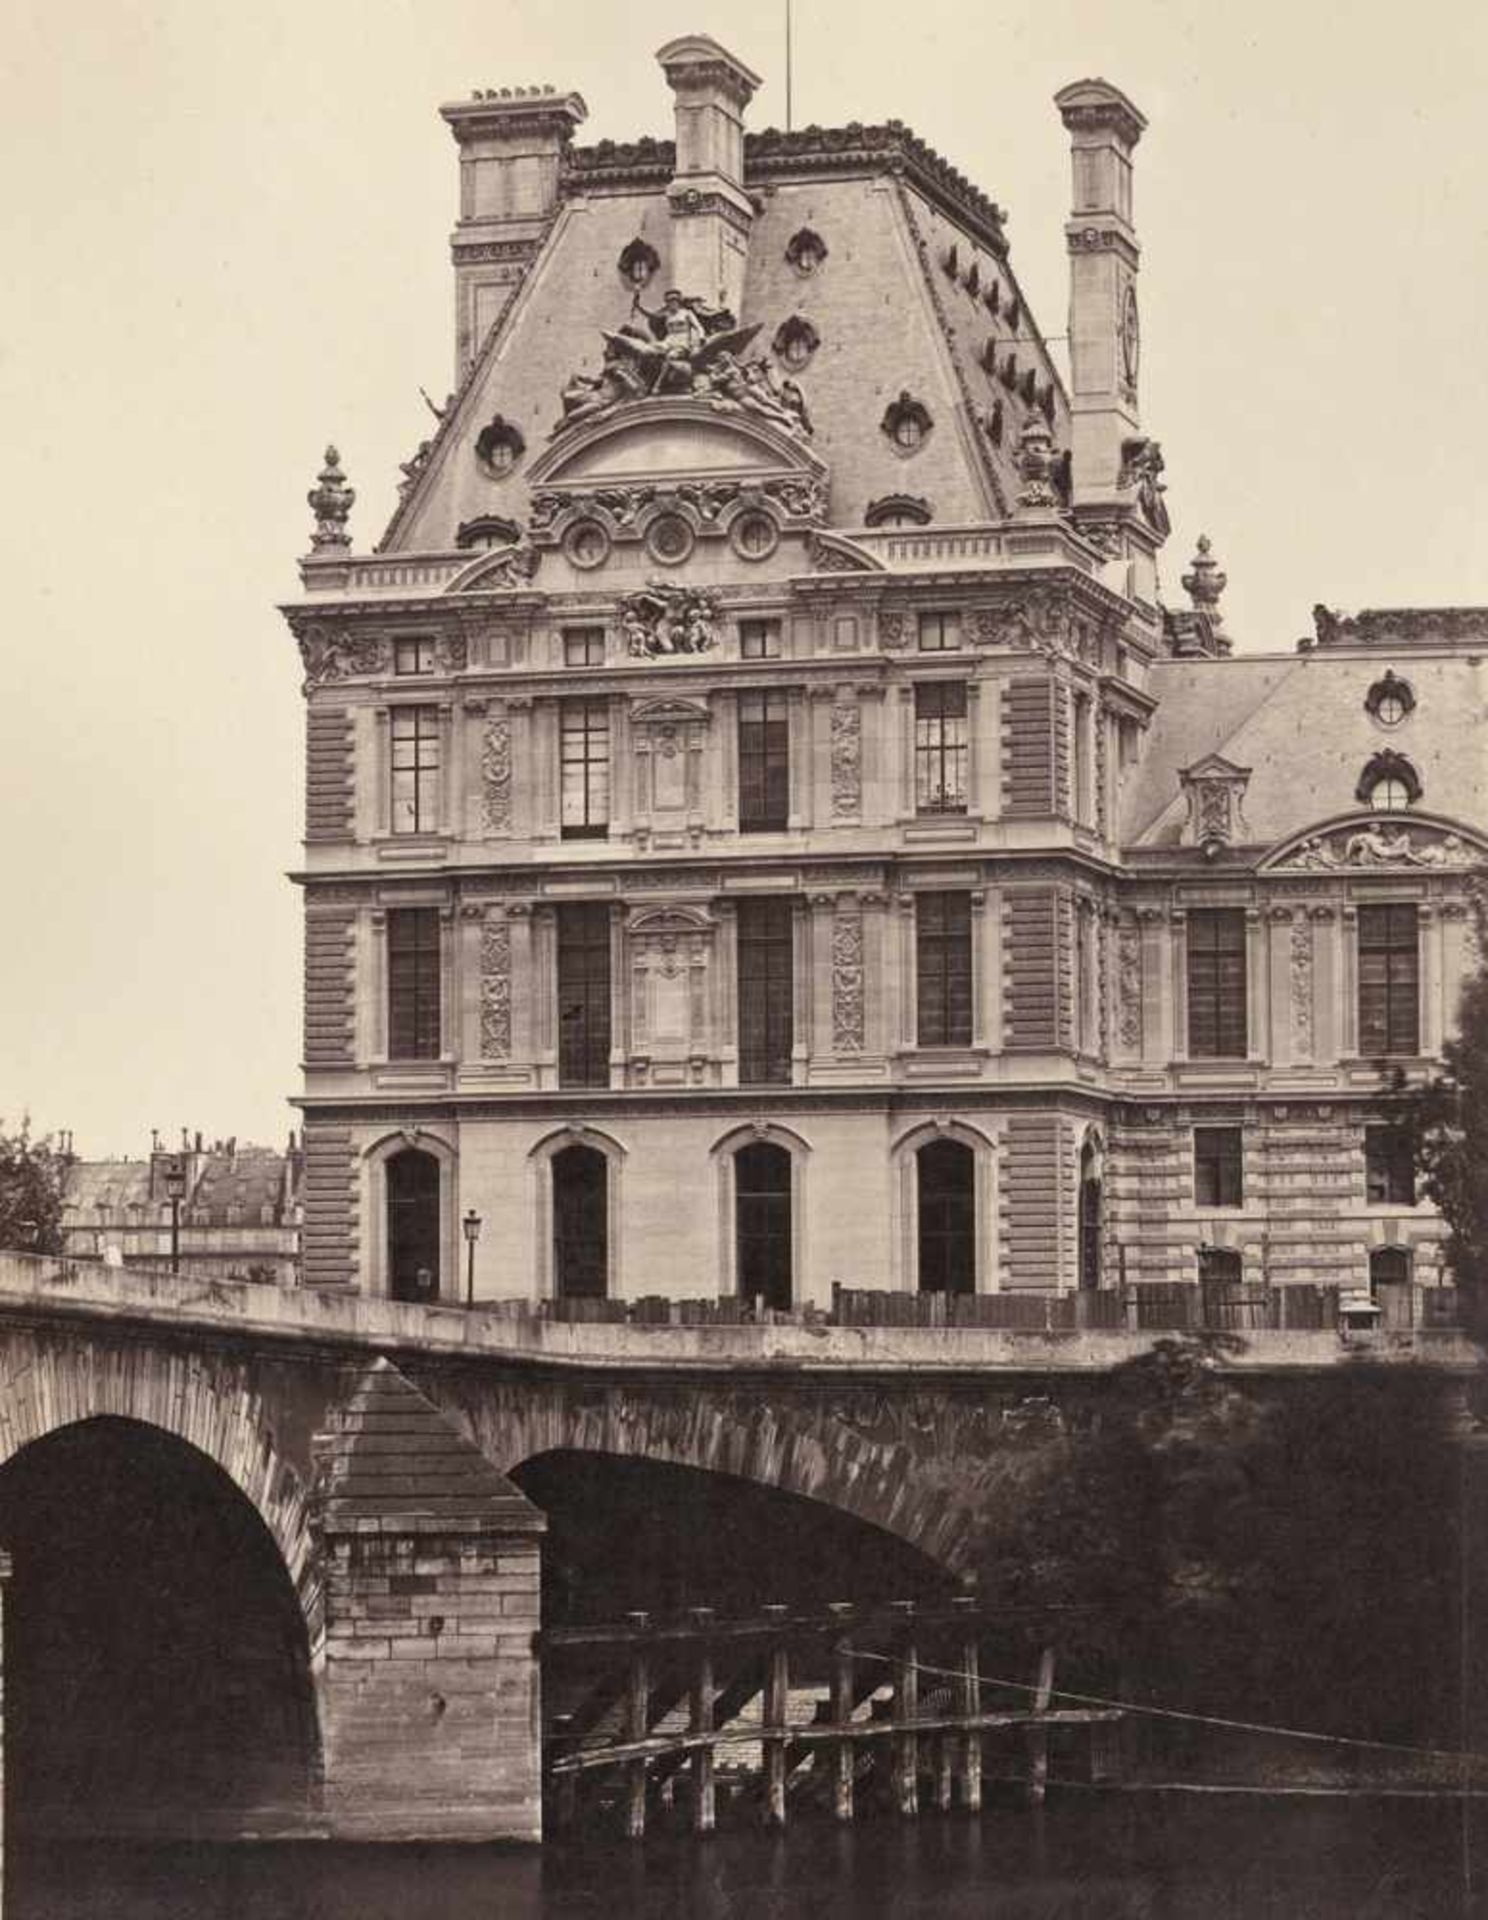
{"type": "Point", "coordinates": [428, 1688]}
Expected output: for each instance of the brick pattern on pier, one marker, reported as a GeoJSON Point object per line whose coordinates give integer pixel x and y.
{"type": "Point", "coordinates": [429, 1688]}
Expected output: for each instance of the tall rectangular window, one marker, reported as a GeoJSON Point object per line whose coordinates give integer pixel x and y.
{"type": "Point", "coordinates": [414, 737]}
{"type": "Point", "coordinates": [1216, 983]}
{"type": "Point", "coordinates": [584, 995]}
{"type": "Point", "coordinates": [585, 769]}
{"type": "Point", "coordinates": [940, 746]}
{"type": "Point", "coordinates": [939, 632]}
{"type": "Point", "coordinates": [1389, 1168]}
{"type": "Point", "coordinates": [943, 969]}
{"type": "Point", "coordinates": [413, 983]}
{"type": "Point", "coordinates": [1389, 981]}
{"type": "Point", "coordinates": [766, 975]}
{"type": "Point", "coordinates": [1084, 759]}
{"type": "Point", "coordinates": [1219, 1179]}
{"type": "Point", "coordinates": [764, 762]}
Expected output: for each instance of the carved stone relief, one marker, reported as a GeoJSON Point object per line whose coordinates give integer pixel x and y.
{"type": "Point", "coordinates": [496, 773]}
{"type": "Point", "coordinates": [847, 762]}
{"type": "Point", "coordinates": [329, 656]}
{"type": "Point", "coordinates": [1129, 982]}
{"type": "Point", "coordinates": [495, 991]}
{"type": "Point", "coordinates": [1301, 966]}
{"type": "Point", "coordinates": [847, 984]}
{"type": "Point", "coordinates": [1382, 846]}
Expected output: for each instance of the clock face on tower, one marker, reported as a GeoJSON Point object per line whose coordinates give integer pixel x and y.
{"type": "Point", "coordinates": [1131, 336]}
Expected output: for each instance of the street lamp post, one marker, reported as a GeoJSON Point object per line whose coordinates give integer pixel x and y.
{"type": "Point", "coordinates": [471, 1226]}
{"type": "Point", "coordinates": [175, 1186]}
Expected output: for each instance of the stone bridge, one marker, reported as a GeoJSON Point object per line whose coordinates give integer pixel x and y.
{"type": "Point", "coordinates": [365, 1447]}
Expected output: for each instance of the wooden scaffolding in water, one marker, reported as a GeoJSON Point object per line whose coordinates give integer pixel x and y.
{"type": "Point", "coordinates": [663, 1703]}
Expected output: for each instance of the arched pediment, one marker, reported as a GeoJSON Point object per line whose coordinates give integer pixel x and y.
{"type": "Point", "coordinates": [1368, 841]}
{"type": "Point", "coordinates": [669, 920]}
{"type": "Point", "coordinates": [673, 437]}
{"type": "Point", "coordinates": [668, 712]}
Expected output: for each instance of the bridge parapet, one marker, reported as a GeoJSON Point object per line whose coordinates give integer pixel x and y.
{"type": "Point", "coordinates": [1007, 1333]}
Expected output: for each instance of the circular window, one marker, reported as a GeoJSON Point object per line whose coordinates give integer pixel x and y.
{"type": "Point", "coordinates": [1389, 795]}
{"type": "Point", "coordinates": [908, 432]}
{"type": "Point", "coordinates": [754, 536]}
{"type": "Point", "coordinates": [669, 539]}
{"type": "Point", "coordinates": [587, 544]}
{"type": "Point", "coordinates": [1391, 710]}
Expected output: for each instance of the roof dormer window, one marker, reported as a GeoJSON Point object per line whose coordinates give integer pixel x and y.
{"type": "Point", "coordinates": [1389, 783]}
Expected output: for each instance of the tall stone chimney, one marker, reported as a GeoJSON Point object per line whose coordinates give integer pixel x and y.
{"type": "Point", "coordinates": [1104, 334]}
{"type": "Point", "coordinates": [511, 150]}
{"type": "Point", "coordinates": [711, 213]}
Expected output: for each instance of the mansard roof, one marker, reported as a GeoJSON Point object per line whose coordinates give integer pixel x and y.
{"type": "Point", "coordinates": [1303, 724]}
{"type": "Point", "coordinates": [914, 302]}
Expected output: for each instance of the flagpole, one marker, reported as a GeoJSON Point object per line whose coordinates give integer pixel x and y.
{"type": "Point", "coordinates": [788, 98]}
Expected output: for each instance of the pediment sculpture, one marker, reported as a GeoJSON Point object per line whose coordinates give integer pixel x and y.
{"type": "Point", "coordinates": [684, 347]}
{"type": "Point", "coordinates": [1382, 846]}
{"type": "Point", "coordinates": [665, 617]}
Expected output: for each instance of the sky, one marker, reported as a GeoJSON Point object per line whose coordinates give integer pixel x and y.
{"type": "Point", "coordinates": [225, 230]}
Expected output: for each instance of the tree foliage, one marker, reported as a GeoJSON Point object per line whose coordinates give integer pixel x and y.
{"type": "Point", "coordinates": [32, 1173]}
{"type": "Point", "coordinates": [1445, 1122]}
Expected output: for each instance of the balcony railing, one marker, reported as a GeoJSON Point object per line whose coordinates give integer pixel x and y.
{"type": "Point", "coordinates": [1150, 1307]}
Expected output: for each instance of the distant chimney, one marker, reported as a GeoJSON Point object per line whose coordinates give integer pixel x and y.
{"type": "Point", "coordinates": [511, 153]}
{"type": "Point", "coordinates": [711, 213]}
{"type": "Point", "coordinates": [1104, 127]}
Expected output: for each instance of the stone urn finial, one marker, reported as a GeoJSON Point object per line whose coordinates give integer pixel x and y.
{"type": "Point", "coordinates": [331, 500]}
{"type": "Point", "coordinates": [1036, 463]}
{"type": "Point", "coordinates": [1204, 583]}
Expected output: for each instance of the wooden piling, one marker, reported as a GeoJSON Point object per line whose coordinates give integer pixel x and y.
{"type": "Point", "coordinates": [777, 1702]}
{"type": "Point", "coordinates": [906, 1706]}
{"type": "Point", "coordinates": [969, 1703]}
{"type": "Point", "coordinates": [1038, 1733]}
{"type": "Point", "coordinates": [844, 1757]}
{"type": "Point", "coordinates": [704, 1809]}
{"type": "Point", "coordinates": [637, 1717]}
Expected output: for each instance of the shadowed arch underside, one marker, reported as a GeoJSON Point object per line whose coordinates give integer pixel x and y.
{"type": "Point", "coordinates": [157, 1668]}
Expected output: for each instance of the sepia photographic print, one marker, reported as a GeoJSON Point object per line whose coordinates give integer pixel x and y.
{"type": "Point", "coordinates": [743, 1028]}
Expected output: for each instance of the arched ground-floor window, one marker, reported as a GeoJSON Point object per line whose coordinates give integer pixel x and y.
{"type": "Point", "coordinates": [413, 1223]}
{"type": "Point", "coordinates": [762, 1224]}
{"type": "Point", "coordinates": [946, 1175]}
{"type": "Point", "coordinates": [581, 1226]}
{"type": "Point", "coordinates": [1090, 1223]}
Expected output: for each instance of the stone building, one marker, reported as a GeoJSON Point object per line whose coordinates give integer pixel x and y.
{"type": "Point", "coordinates": [764, 831]}
{"type": "Point", "coordinates": [239, 1210]}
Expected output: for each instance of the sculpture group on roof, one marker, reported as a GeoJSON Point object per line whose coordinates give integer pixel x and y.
{"type": "Point", "coordinates": [684, 347]}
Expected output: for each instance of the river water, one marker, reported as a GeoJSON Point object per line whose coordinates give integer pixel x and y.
{"type": "Point", "coordinates": [1113, 1856]}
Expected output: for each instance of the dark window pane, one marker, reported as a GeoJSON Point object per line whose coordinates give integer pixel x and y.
{"type": "Point", "coordinates": [1218, 1167]}
{"type": "Point", "coordinates": [413, 1225]}
{"type": "Point", "coordinates": [1389, 988]}
{"type": "Point", "coordinates": [584, 995]}
{"type": "Point", "coordinates": [1389, 1170]}
{"type": "Point", "coordinates": [766, 991]}
{"type": "Point", "coordinates": [764, 762]}
{"type": "Point", "coordinates": [581, 1227]}
{"type": "Point", "coordinates": [947, 1222]}
{"type": "Point", "coordinates": [1219, 1266]}
{"type": "Point", "coordinates": [943, 969]}
{"type": "Point", "coordinates": [762, 1223]}
{"type": "Point", "coordinates": [413, 983]}
{"type": "Point", "coordinates": [1216, 983]}
{"type": "Point", "coordinates": [1389, 1267]}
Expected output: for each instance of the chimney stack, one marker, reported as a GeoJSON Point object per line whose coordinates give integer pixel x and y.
{"type": "Point", "coordinates": [511, 145]}
{"type": "Point", "coordinates": [711, 213]}
{"type": "Point", "coordinates": [1104, 336]}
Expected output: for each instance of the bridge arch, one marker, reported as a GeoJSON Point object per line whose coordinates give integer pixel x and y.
{"type": "Point", "coordinates": [158, 1670]}
{"type": "Point", "coordinates": [851, 1451]}
{"type": "Point", "coordinates": [205, 1399]}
